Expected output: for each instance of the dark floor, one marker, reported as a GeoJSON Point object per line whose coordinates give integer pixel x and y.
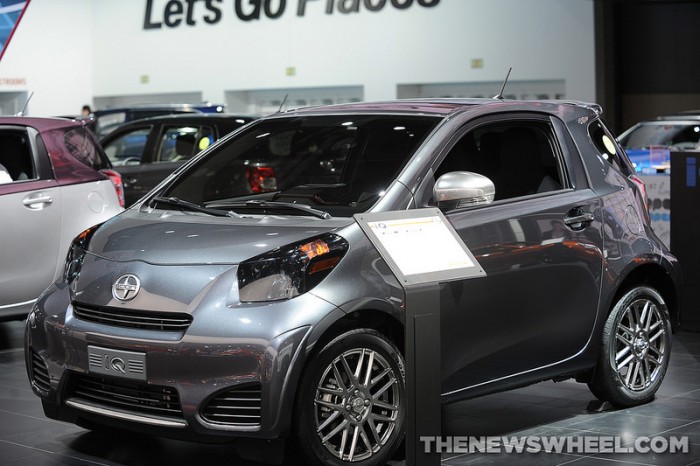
{"type": "Point", "coordinates": [547, 409]}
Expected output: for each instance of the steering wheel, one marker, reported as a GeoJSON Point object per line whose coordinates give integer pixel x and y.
{"type": "Point", "coordinates": [130, 161]}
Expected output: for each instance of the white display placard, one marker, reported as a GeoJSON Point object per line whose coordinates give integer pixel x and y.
{"type": "Point", "coordinates": [420, 245]}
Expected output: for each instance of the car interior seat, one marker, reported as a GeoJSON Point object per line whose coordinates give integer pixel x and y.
{"type": "Point", "coordinates": [184, 146]}
{"type": "Point", "coordinates": [15, 156]}
{"type": "Point", "coordinates": [4, 175]}
{"type": "Point", "coordinates": [521, 166]}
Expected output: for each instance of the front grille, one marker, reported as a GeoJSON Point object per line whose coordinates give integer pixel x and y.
{"type": "Point", "coordinates": [238, 406]}
{"type": "Point", "coordinates": [40, 373]}
{"type": "Point", "coordinates": [132, 397]}
{"type": "Point", "coordinates": [128, 318]}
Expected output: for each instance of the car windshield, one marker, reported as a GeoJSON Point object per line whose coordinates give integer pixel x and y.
{"type": "Point", "coordinates": [338, 164]}
{"type": "Point", "coordinates": [678, 135]}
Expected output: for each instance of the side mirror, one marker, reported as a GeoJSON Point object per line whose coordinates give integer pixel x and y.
{"type": "Point", "coordinates": [463, 189]}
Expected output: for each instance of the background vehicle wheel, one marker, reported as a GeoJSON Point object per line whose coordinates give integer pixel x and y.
{"type": "Point", "coordinates": [350, 404]}
{"type": "Point", "coordinates": [635, 350]}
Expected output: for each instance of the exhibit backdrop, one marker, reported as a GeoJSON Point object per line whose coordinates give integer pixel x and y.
{"type": "Point", "coordinates": [71, 52]}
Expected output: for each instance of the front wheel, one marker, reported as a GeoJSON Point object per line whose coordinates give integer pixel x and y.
{"type": "Point", "coordinates": [350, 404]}
{"type": "Point", "coordinates": [635, 350]}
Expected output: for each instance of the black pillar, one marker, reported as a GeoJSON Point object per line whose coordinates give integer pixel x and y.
{"type": "Point", "coordinates": [685, 231]}
{"type": "Point", "coordinates": [423, 374]}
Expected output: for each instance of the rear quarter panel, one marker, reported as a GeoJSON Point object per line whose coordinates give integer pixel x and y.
{"type": "Point", "coordinates": [84, 205]}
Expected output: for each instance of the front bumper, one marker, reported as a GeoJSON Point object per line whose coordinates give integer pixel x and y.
{"type": "Point", "coordinates": [232, 373]}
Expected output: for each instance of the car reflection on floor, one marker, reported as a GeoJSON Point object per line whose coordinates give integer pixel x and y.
{"type": "Point", "coordinates": [547, 409]}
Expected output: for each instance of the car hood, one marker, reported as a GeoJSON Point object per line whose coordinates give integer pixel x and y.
{"type": "Point", "coordinates": [183, 238]}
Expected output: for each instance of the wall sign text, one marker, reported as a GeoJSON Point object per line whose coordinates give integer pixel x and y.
{"type": "Point", "coordinates": [176, 13]}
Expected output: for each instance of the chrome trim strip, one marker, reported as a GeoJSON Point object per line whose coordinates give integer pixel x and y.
{"type": "Point", "coordinates": [8, 306]}
{"type": "Point", "coordinates": [77, 404]}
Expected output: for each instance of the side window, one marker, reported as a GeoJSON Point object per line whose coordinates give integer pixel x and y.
{"type": "Point", "coordinates": [128, 148]}
{"type": "Point", "coordinates": [81, 145]}
{"type": "Point", "coordinates": [15, 157]}
{"type": "Point", "coordinates": [608, 148]}
{"type": "Point", "coordinates": [109, 121]}
{"type": "Point", "coordinates": [519, 157]}
{"type": "Point", "coordinates": [179, 143]}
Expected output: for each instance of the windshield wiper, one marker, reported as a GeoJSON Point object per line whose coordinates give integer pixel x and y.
{"type": "Point", "coordinates": [174, 201]}
{"type": "Point", "coordinates": [273, 205]}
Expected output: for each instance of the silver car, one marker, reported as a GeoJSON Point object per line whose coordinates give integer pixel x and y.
{"type": "Point", "coordinates": [240, 299]}
{"type": "Point", "coordinates": [55, 181]}
{"type": "Point", "coordinates": [649, 143]}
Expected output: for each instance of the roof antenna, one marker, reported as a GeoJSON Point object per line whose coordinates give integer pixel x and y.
{"type": "Point", "coordinates": [21, 112]}
{"type": "Point", "coordinates": [500, 94]}
{"type": "Point", "coordinates": [279, 110]}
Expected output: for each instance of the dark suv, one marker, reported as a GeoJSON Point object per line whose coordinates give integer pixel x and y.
{"type": "Point", "coordinates": [216, 308]}
{"type": "Point", "coordinates": [146, 151]}
{"type": "Point", "coordinates": [105, 120]}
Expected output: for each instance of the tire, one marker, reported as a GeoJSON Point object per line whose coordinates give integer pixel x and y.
{"type": "Point", "coordinates": [635, 350]}
{"type": "Point", "coordinates": [359, 420]}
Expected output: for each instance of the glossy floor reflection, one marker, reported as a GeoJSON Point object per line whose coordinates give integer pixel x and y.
{"type": "Point", "coordinates": [546, 409]}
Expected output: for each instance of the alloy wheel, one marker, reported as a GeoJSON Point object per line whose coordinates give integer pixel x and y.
{"type": "Point", "coordinates": [357, 404]}
{"type": "Point", "coordinates": [641, 339]}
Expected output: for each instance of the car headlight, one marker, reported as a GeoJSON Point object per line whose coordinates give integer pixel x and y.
{"type": "Point", "coordinates": [291, 270]}
{"type": "Point", "coordinates": [76, 254]}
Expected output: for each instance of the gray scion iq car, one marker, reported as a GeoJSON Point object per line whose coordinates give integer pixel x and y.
{"type": "Point", "coordinates": [240, 298]}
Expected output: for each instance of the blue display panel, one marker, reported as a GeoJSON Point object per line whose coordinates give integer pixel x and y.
{"type": "Point", "coordinates": [11, 12]}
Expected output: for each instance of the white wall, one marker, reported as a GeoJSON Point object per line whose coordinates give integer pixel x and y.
{"type": "Point", "coordinates": [114, 55]}
{"type": "Point", "coordinates": [51, 54]}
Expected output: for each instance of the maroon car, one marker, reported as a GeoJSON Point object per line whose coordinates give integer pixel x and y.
{"type": "Point", "coordinates": [55, 181]}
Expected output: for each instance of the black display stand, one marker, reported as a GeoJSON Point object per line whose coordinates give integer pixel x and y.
{"type": "Point", "coordinates": [422, 352]}
{"type": "Point", "coordinates": [685, 231]}
{"type": "Point", "coordinates": [422, 250]}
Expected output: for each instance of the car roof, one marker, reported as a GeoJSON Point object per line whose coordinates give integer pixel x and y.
{"type": "Point", "coordinates": [691, 116]}
{"type": "Point", "coordinates": [444, 107]}
{"type": "Point", "coordinates": [190, 117]}
{"type": "Point", "coordinates": [41, 123]}
{"type": "Point", "coordinates": [683, 117]}
{"type": "Point", "coordinates": [156, 106]}
{"type": "Point", "coordinates": [690, 112]}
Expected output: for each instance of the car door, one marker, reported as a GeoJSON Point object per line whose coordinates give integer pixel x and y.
{"type": "Point", "coordinates": [30, 205]}
{"type": "Point", "coordinates": [129, 149]}
{"type": "Point", "coordinates": [174, 145]}
{"type": "Point", "coordinates": [540, 246]}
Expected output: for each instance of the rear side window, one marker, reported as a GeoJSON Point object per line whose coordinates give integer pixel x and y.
{"type": "Point", "coordinates": [80, 144]}
{"type": "Point", "coordinates": [109, 121]}
{"type": "Point", "coordinates": [608, 148]}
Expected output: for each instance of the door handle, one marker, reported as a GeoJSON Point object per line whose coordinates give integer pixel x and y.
{"type": "Point", "coordinates": [577, 219]}
{"type": "Point", "coordinates": [37, 201]}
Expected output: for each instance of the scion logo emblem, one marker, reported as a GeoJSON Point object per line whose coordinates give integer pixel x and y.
{"type": "Point", "coordinates": [118, 365]}
{"type": "Point", "coordinates": [126, 287]}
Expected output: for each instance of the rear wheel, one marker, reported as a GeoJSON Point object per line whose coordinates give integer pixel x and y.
{"type": "Point", "coordinates": [350, 405]}
{"type": "Point", "coordinates": [635, 350]}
